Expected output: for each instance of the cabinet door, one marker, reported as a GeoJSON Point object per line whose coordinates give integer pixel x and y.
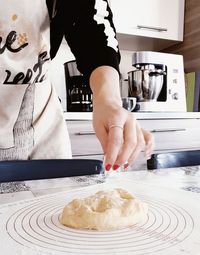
{"type": "Point", "coordinates": [83, 139]}
{"type": "Point", "coordinates": [85, 144]}
{"type": "Point", "coordinates": [174, 134]}
{"type": "Point", "coordinates": [149, 18]}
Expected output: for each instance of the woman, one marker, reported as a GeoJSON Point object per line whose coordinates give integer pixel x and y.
{"type": "Point", "coordinates": [32, 123]}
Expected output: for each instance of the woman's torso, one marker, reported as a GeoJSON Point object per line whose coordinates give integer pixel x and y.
{"type": "Point", "coordinates": [26, 92]}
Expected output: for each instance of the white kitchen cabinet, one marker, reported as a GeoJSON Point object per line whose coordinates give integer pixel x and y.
{"type": "Point", "coordinates": [85, 144]}
{"type": "Point", "coordinates": [83, 139]}
{"type": "Point", "coordinates": [170, 135]}
{"type": "Point", "coordinates": [174, 134]}
{"type": "Point", "coordinates": [149, 18]}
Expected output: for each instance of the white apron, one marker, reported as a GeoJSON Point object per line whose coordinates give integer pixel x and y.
{"type": "Point", "coordinates": [32, 125]}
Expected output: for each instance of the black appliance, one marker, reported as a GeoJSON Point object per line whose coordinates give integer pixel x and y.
{"type": "Point", "coordinates": [79, 94]}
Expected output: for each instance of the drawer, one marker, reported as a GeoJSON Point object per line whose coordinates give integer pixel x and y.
{"type": "Point", "coordinates": [180, 139]}
{"type": "Point", "coordinates": [169, 124]}
{"type": "Point", "coordinates": [173, 134]}
{"type": "Point", "coordinates": [170, 134]}
{"type": "Point", "coordinates": [83, 138]}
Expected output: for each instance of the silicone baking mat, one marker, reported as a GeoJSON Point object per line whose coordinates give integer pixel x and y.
{"type": "Point", "coordinates": [172, 226]}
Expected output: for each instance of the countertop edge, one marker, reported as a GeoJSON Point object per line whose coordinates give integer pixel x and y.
{"type": "Point", "coordinates": [138, 115]}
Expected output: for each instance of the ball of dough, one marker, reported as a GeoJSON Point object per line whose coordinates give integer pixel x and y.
{"type": "Point", "coordinates": [105, 210]}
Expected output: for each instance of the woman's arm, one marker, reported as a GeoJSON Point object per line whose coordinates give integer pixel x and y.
{"type": "Point", "coordinates": [92, 39]}
{"type": "Point", "coordinates": [121, 137]}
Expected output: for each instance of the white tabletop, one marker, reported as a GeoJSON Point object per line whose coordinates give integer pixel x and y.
{"type": "Point", "coordinates": [32, 226]}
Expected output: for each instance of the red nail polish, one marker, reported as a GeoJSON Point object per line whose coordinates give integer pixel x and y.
{"type": "Point", "coordinates": [107, 167]}
{"type": "Point", "coordinates": [116, 166]}
{"type": "Point", "coordinates": [126, 166]}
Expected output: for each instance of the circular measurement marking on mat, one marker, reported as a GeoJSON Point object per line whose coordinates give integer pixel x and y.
{"type": "Point", "coordinates": [37, 225]}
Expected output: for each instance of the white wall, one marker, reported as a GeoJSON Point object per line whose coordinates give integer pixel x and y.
{"type": "Point", "coordinates": [125, 67]}
{"type": "Point", "coordinates": [57, 71]}
{"type": "Point", "coordinates": [64, 54]}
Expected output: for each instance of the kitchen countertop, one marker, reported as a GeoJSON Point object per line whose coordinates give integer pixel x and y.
{"type": "Point", "coordinates": [138, 115]}
{"type": "Point", "coordinates": [183, 178]}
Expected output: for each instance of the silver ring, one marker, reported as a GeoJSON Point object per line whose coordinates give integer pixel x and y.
{"type": "Point", "coordinates": [113, 126]}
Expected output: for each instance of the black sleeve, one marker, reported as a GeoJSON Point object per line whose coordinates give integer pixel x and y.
{"type": "Point", "coordinates": [91, 35]}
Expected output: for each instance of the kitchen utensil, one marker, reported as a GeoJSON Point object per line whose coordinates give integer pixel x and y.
{"type": "Point", "coordinates": [129, 103]}
{"type": "Point", "coordinates": [172, 226]}
{"type": "Point", "coordinates": [45, 169]}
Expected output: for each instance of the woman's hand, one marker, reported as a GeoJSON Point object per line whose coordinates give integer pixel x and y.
{"type": "Point", "coordinates": [120, 135]}
{"type": "Point", "coordinates": [118, 131]}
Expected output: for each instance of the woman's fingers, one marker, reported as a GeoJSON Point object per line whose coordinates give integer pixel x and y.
{"type": "Point", "coordinates": [140, 146]}
{"type": "Point", "coordinates": [114, 143]}
{"type": "Point", "coordinates": [102, 136]}
{"type": "Point", "coordinates": [135, 139]}
{"type": "Point", "coordinates": [149, 141]}
{"type": "Point", "coordinates": [122, 139]}
{"type": "Point", "coordinates": [129, 141]}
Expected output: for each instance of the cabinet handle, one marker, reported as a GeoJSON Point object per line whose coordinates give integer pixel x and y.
{"type": "Point", "coordinates": [158, 29]}
{"type": "Point", "coordinates": [168, 130]}
{"type": "Point", "coordinates": [86, 133]}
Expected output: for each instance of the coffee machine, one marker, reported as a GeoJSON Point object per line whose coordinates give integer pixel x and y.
{"type": "Point", "coordinates": [79, 94]}
{"type": "Point", "coordinates": [157, 82]}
